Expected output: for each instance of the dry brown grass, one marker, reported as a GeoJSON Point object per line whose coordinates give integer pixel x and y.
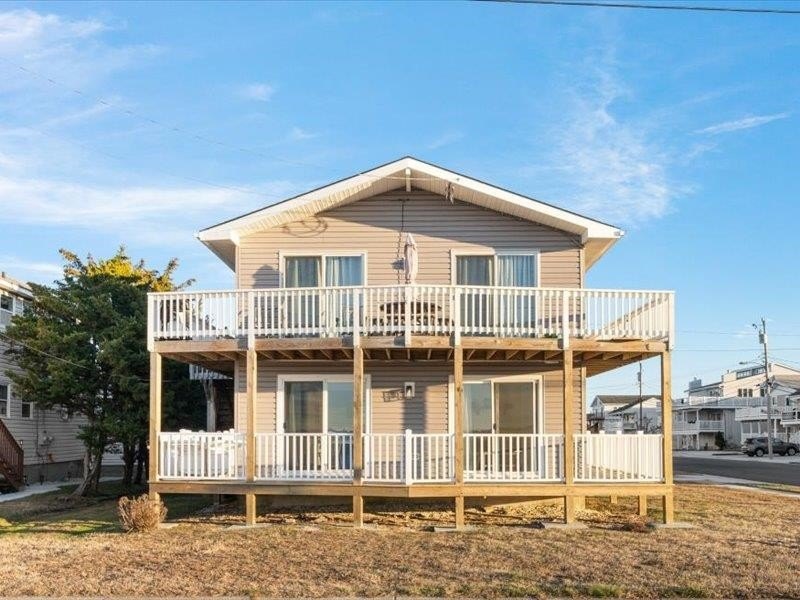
{"type": "Point", "coordinates": [746, 545]}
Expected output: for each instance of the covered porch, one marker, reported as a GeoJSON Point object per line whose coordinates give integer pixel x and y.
{"type": "Point", "coordinates": [466, 460]}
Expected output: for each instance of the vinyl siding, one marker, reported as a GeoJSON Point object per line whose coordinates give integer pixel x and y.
{"type": "Point", "coordinates": [390, 411]}
{"type": "Point", "coordinates": [373, 226]}
{"type": "Point", "coordinates": [65, 446]}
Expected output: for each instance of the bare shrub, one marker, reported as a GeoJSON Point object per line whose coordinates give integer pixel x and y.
{"type": "Point", "coordinates": [140, 514]}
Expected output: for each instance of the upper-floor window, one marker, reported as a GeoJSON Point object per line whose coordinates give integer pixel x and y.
{"type": "Point", "coordinates": [745, 392]}
{"type": "Point", "coordinates": [5, 400]}
{"type": "Point", "coordinates": [26, 410]}
{"type": "Point", "coordinates": [507, 269]}
{"type": "Point", "coordinates": [6, 302]}
{"type": "Point", "coordinates": [323, 270]}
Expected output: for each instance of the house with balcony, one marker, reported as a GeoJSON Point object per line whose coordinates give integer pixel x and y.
{"type": "Point", "coordinates": [410, 332]}
{"type": "Point", "coordinates": [624, 412]}
{"type": "Point", "coordinates": [36, 444]}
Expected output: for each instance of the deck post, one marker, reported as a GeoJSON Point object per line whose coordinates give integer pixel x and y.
{"type": "Point", "coordinates": [155, 417]}
{"type": "Point", "coordinates": [642, 505]}
{"type": "Point", "coordinates": [568, 414]}
{"type": "Point", "coordinates": [250, 441]}
{"type": "Point", "coordinates": [358, 433]}
{"type": "Point", "coordinates": [459, 512]}
{"type": "Point", "coordinates": [458, 431]}
{"type": "Point", "coordinates": [666, 430]}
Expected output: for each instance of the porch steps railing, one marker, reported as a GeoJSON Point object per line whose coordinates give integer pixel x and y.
{"type": "Point", "coordinates": [12, 458]}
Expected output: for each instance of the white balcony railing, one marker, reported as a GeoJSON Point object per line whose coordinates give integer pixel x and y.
{"type": "Point", "coordinates": [201, 455]}
{"type": "Point", "coordinates": [408, 457]}
{"type": "Point", "coordinates": [618, 457]}
{"type": "Point", "coordinates": [411, 309]}
{"type": "Point", "coordinates": [697, 426]}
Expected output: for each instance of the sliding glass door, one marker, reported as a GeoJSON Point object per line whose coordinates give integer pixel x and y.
{"type": "Point", "coordinates": [501, 415]}
{"type": "Point", "coordinates": [319, 406]}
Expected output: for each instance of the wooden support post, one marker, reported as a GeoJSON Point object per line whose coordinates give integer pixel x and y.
{"type": "Point", "coordinates": [614, 500]}
{"type": "Point", "coordinates": [666, 429]}
{"type": "Point", "coordinates": [252, 392]}
{"type": "Point", "coordinates": [459, 512]}
{"type": "Point", "coordinates": [250, 509]}
{"type": "Point", "coordinates": [642, 505]}
{"type": "Point", "coordinates": [568, 415]}
{"type": "Point", "coordinates": [358, 510]}
{"type": "Point", "coordinates": [155, 417]}
{"type": "Point", "coordinates": [358, 415]}
{"type": "Point", "coordinates": [458, 416]}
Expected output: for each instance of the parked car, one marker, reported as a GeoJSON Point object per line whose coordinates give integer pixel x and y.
{"type": "Point", "coordinates": [758, 447]}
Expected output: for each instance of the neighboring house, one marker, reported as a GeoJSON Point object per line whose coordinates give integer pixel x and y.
{"type": "Point", "coordinates": [410, 332]}
{"type": "Point", "coordinates": [640, 416]}
{"type": "Point", "coordinates": [35, 444]}
{"type": "Point", "coordinates": [735, 406]}
{"type": "Point", "coordinates": [612, 413]}
{"type": "Point", "coordinates": [785, 389]}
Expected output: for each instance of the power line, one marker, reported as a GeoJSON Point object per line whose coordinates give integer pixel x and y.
{"type": "Point", "coordinates": [633, 5]}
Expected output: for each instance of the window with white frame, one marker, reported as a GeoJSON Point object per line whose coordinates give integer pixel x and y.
{"type": "Point", "coordinates": [328, 270]}
{"type": "Point", "coordinates": [503, 268]}
{"type": "Point", "coordinates": [26, 409]}
{"type": "Point", "coordinates": [5, 400]}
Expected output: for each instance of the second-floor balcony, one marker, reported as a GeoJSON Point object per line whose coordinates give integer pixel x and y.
{"type": "Point", "coordinates": [406, 310]}
{"type": "Point", "coordinates": [698, 426]}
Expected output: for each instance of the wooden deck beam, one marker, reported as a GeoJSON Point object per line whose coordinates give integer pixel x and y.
{"type": "Point", "coordinates": [156, 376]}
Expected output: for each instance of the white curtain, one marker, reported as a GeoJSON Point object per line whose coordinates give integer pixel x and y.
{"type": "Point", "coordinates": [516, 270]}
{"type": "Point", "coordinates": [474, 270]}
{"type": "Point", "coordinates": [344, 270]}
{"type": "Point", "coordinates": [302, 271]}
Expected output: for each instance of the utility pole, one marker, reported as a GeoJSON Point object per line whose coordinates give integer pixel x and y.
{"type": "Point", "coordinates": [641, 418]}
{"type": "Point", "coordinates": [762, 339]}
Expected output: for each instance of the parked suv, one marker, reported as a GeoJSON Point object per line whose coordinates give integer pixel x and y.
{"type": "Point", "coordinates": [758, 447]}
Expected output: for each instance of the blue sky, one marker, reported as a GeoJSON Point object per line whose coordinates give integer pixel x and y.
{"type": "Point", "coordinates": [161, 119]}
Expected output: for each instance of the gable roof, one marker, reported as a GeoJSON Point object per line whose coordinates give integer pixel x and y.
{"type": "Point", "coordinates": [223, 238]}
{"type": "Point", "coordinates": [647, 402]}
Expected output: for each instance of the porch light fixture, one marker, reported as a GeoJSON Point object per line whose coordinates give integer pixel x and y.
{"type": "Point", "coordinates": [408, 390]}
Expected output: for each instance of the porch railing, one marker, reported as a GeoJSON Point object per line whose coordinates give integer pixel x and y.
{"type": "Point", "coordinates": [618, 457]}
{"type": "Point", "coordinates": [201, 455]}
{"type": "Point", "coordinates": [304, 456]}
{"type": "Point", "coordinates": [411, 309]}
{"type": "Point", "coordinates": [513, 457]}
{"type": "Point", "coordinates": [410, 458]}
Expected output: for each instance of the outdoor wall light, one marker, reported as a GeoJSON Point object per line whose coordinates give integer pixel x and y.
{"type": "Point", "coordinates": [408, 390]}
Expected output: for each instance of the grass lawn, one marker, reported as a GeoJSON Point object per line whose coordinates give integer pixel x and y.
{"type": "Point", "coordinates": [745, 544]}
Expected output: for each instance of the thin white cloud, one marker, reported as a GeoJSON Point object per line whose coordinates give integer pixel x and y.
{"type": "Point", "coordinates": [297, 134]}
{"type": "Point", "coordinates": [22, 268]}
{"type": "Point", "coordinates": [445, 139]}
{"type": "Point", "coordinates": [49, 45]}
{"type": "Point", "coordinates": [260, 92]}
{"type": "Point", "coordinates": [605, 165]}
{"type": "Point", "coordinates": [739, 124]}
{"type": "Point", "coordinates": [159, 216]}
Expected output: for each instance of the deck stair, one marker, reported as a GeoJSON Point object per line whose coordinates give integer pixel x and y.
{"type": "Point", "coordinates": [11, 460]}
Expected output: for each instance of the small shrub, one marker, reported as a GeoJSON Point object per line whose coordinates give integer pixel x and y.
{"type": "Point", "coordinates": [638, 525]}
{"type": "Point", "coordinates": [141, 514]}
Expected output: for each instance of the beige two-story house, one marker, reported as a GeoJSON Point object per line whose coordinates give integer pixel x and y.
{"type": "Point", "coordinates": [411, 332]}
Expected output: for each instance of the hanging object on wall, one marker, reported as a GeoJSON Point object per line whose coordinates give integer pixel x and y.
{"type": "Point", "coordinates": [410, 259]}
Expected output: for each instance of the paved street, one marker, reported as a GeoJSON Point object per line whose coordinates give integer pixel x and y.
{"type": "Point", "coordinates": [782, 470]}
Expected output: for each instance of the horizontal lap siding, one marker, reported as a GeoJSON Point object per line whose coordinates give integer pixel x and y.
{"type": "Point", "coordinates": [427, 412]}
{"type": "Point", "coordinates": [373, 226]}
{"type": "Point", "coordinates": [65, 445]}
